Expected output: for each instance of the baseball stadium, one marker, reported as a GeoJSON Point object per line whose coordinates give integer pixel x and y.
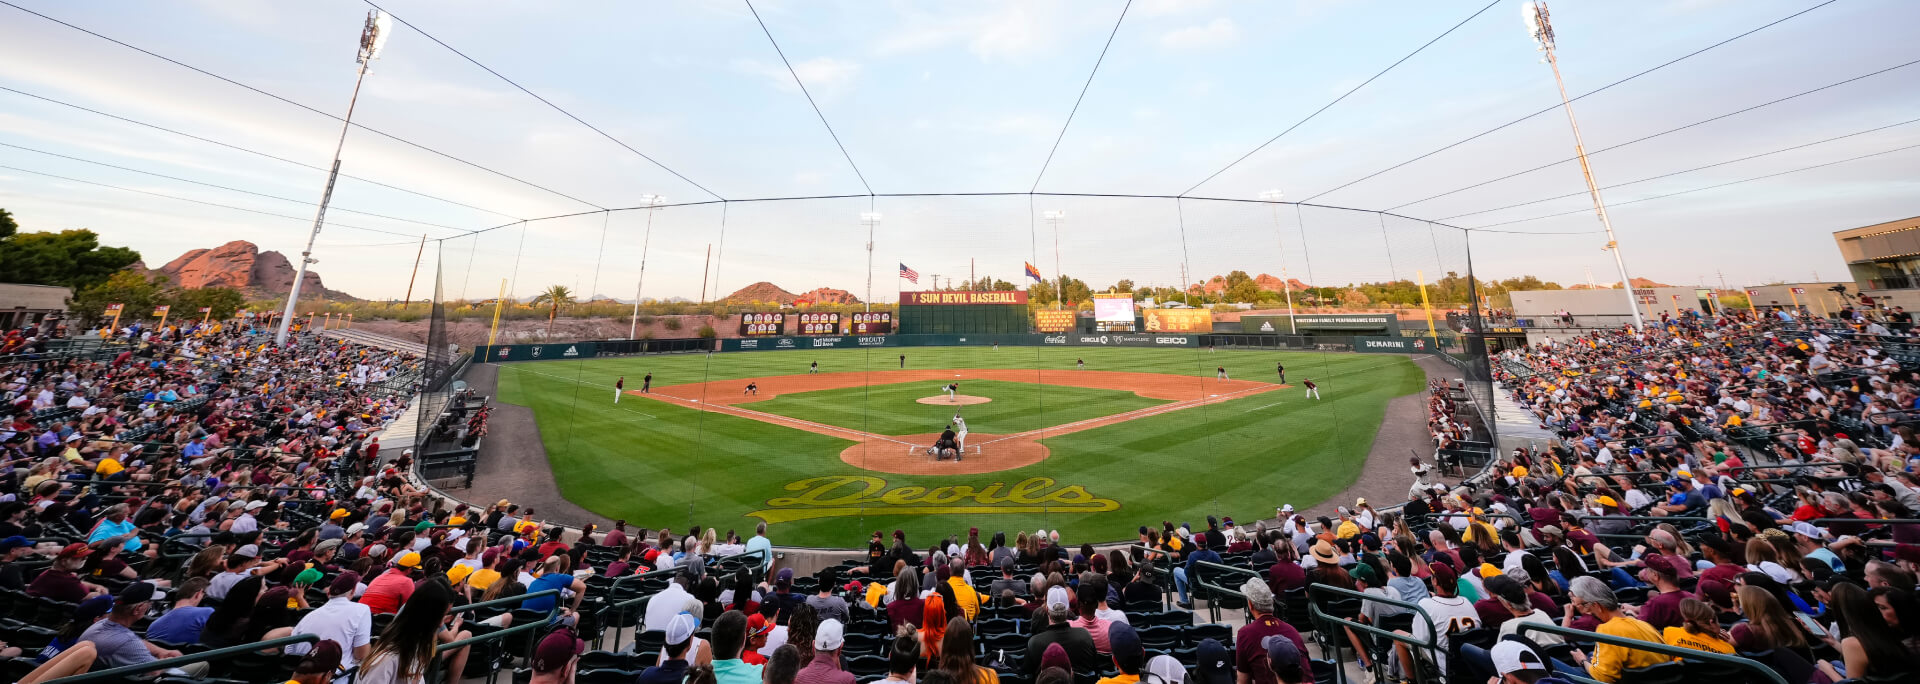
{"type": "Point", "coordinates": [936, 407]}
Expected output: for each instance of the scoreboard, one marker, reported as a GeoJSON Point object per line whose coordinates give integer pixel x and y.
{"type": "Point", "coordinates": [871, 322]}
{"type": "Point", "coordinates": [761, 324]}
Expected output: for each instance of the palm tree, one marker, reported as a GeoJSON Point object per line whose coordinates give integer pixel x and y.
{"type": "Point", "coordinates": [554, 297]}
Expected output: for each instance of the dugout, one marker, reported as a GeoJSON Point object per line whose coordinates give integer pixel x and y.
{"type": "Point", "coordinates": [964, 312]}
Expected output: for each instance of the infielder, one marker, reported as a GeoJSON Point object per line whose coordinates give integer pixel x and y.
{"type": "Point", "coordinates": [619, 388]}
{"type": "Point", "coordinates": [753, 388]}
{"type": "Point", "coordinates": [1220, 373]}
{"type": "Point", "coordinates": [815, 368]}
{"type": "Point", "coordinates": [646, 384]}
{"type": "Point", "coordinates": [960, 433]}
{"type": "Point", "coordinates": [1313, 390]}
{"type": "Point", "coordinates": [1080, 364]}
{"type": "Point", "coordinates": [1281, 368]}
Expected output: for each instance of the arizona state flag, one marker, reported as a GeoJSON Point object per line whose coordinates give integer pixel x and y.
{"type": "Point", "coordinates": [1033, 273]}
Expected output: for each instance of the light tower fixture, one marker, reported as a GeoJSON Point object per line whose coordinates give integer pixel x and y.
{"type": "Point", "coordinates": [871, 219]}
{"type": "Point", "coordinates": [1273, 198]}
{"type": "Point", "coordinates": [1055, 217]}
{"type": "Point", "coordinates": [1534, 13]}
{"type": "Point", "coordinates": [650, 203]}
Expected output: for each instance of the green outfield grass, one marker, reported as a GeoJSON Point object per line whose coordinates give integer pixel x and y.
{"type": "Point", "coordinates": [655, 463]}
{"type": "Point", "coordinates": [893, 409]}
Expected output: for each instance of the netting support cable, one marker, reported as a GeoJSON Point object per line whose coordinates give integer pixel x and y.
{"type": "Point", "coordinates": [1388, 243]}
{"type": "Point", "coordinates": [809, 95]}
{"type": "Point", "coordinates": [721, 252]}
{"type": "Point", "coordinates": [1082, 97]}
{"type": "Point", "coordinates": [1343, 96]}
{"type": "Point", "coordinates": [598, 255]}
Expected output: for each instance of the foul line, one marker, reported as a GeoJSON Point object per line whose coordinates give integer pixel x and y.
{"type": "Point", "coordinates": [578, 381]}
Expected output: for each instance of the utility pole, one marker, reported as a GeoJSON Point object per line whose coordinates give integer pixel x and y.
{"type": "Point", "coordinates": [416, 270]}
{"type": "Point", "coordinates": [373, 37]}
{"type": "Point", "coordinates": [1535, 14]}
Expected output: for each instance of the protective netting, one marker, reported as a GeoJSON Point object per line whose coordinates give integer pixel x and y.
{"type": "Point", "coordinates": [685, 410]}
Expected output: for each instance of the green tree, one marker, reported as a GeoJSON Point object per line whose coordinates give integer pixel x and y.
{"type": "Point", "coordinates": [1241, 287]}
{"type": "Point", "coordinates": [126, 287]}
{"type": "Point", "coordinates": [69, 258]}
{"type": "Point", "coordinates": [554, 297]}
{"type": "Point", "coordinates": [223, 300]}
{"type": "Point", "coordinates": [1125, 285]}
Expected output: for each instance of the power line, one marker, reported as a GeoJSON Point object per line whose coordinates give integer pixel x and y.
{"type": "Point", "coordinates": [304, 219]}
{"type": "Point", "coordinates": [247, 150]}
{"type": "Point", "coordinates": [1343, 96]}
{"type": "Point", "coordinates": [1557, 105]}
{"type": "Point", "coordinates": [1083, 94]}
{"type": "Point", "coordinates": [544, 101]}
{"type": "Point", "coordinates": [223, 187]}
{"type": "Point", "coordinates": [324, 113]}
{"type": "Point", "coordinates": [803, 91]}
{"type": "Point", "coordinates": [1697, 168]}
{"type": "Point", "coordinates": [1702, 189]}
{"type": "Point", "coordinates": [1645, 138]}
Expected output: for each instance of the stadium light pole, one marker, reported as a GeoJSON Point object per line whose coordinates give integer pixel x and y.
{"type": "Point", "coordinates": [1054, 218]}
{"type": "Point", "coordinates": [373, 38]}
{"type": "Point", "coordinates": [651, 202]}
{"type": "Point", "coordinates": [1273, 197]}
{"type": "Point", "coordinates": [870, 219]}
{"type": "Point", "coordinates": [1534, 13]}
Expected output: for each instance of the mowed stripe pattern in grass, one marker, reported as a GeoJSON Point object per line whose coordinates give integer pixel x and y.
{"type": "Point", "coordinates": [656, 464]}
{"type": "Point", "coordinates": [894, 409]}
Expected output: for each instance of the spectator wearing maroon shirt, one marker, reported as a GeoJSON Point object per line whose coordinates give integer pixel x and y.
{"type": "Point", "coordinates": [60, 582]}
{"type": "Point", "coordinates": [1718, 552]}
{"type": "Point", "coordinates": [1247, 643]}
{"type": "Point", "coordinates": [1663, 609]}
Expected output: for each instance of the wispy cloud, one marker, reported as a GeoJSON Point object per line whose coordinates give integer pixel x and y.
{"type": "Point", "coordinates": [1215, 34]}
{"type": "Point", "coordinates": [823, 76]}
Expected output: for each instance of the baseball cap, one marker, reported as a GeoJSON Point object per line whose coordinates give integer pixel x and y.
{"type": "Point", "coordinates": [248, 551]}
{"type": "Point", "coordinates": [1443, 573]}
{"type": "Point", "coordinates": [91, 609]}
{"type": "Point", "coordinates": [326, 545]}
{"type": "Point", "coordinates": [1488, 570]}
{"type": "Point", "coordinates": [409, 559]}
{"type": "Point", "coordinates": [1365, 573]}
{"type": "Point", "coordinates": [458, 573]}
{"type": "Point", "coordinates": [345, 582]}
{"type": "Point", "coordinates": [14, 542]}
{"type": "Point", "coordinates": [757, 625]}
{"type": "Point", "coordinates": [1280, 649]}
{"type": "Point", "coordinates": [1607, 501]}
{"type": "Point", "coordinates": [555, 651]}
{"type": "Point", "coordinates": [356, 528]}
{"type": "Point", "coordinates": [337, 514]}
{"type": "Point", "coordinates": [1258, 594]}
{"type": "Point", "coordinates": [137, 592]}
{"type": "Point", "coordinates": [829, 636]}
{"type": "Point", "coordinates": [1288, 508]}
{"type": "Point", "coordinates": [1213, 663]}
{"type": "Point", "coordinates": [307, 577]}
{"type": "Point", "coordinates": [1807, 529]}
{"type": "Point", "coordinates": [1660, 564]}
{"type": "Point", "coordinates": [256, 505]}
{"type": "Point", "coordinates": [1121, 638]}
{"type": "Point", "coordinates": [681, 628]}
{"type": "Point", "coordinates": [1553, 530]}
{"type": "Point", "coordinates": [1059, 600]}
{"type": "Point", "coordinates": [1513, 656]}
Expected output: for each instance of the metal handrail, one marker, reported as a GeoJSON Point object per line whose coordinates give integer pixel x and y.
{"type": "Point", "coordinates": [494, 673]}
{"type": "Point", "coordinates": [1213, 607]}
{"type": "Point", "coordinates": [127, 672]}
{"type": "Point", "coordinates": [1677, 652]}
{"type": "Point", "coordinates": [1432, 642]}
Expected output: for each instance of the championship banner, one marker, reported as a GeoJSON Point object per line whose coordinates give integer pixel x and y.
{"type": "Point", "coordinates": [959, 297]}
{"type": "Point", "coordinates": [1179, 320]}
{"type": "Point", "coordinates": [762, 324]}
{"type": "Point", "coordinates": [817, 323]}
{"type": "Point", "coordinates": [870, 322]}
{"type": "Point", "coordinates": [161, 310]}
{"type": "Point", "coordinates": [1053, 320]}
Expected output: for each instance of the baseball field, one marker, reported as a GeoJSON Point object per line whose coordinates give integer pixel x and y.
{"type": "Point", "coordinates": [1136, 436]}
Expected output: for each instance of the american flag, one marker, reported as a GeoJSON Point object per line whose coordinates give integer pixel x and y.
{"type": "Point", "coordinates": [911, 275]}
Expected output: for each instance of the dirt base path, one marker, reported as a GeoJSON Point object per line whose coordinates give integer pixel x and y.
{"type": "Point", "coordinates": [985, 453]}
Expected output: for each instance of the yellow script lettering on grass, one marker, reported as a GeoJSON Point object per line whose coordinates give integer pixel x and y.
{"type": "Point", "coordinates": [852, 495]}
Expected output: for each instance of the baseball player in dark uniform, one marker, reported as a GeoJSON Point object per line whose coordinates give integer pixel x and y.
{"type": "Point", "coordinates": [646, 384]}
{"type": "Point", "coordinates": [1281, 368]}
{"type": "Point", "coordinates": [752, 388]}
{"type": "Point", "coordinates": [946, 445]}
{"type": "Point", "coordinates": [1313, 390]}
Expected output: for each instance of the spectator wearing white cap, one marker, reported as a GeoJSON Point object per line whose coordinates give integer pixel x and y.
{"type": "Point", "coordinates": [244, 563]}
{"type": "Point", "coordinates": [246, 523]}
{"type": "Point", "coordinates": [1059, 630]}
{"type": "Point", "coordinates": [828, 638]}
{"type": "Point", "coordinates": [672, 667]}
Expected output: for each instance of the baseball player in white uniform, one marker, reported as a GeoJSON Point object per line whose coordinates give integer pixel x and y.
{"type": "Point", "coordinates": [960, 432]}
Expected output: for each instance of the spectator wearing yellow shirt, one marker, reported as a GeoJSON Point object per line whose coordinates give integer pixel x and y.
{"type": "Point", "coordinates": [963, 593]}
{"type": "Point", "coordinates": [1592, 597]}
{"type": "Point", "coordinates": [1347, 529]}
{"type": "Point", "coordinates": [1700, 631]}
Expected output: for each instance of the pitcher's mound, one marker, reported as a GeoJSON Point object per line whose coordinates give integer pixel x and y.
{"type": "Point", "coordinates": [907, 455]}
{"type": "Point", "coordinates": [955, 400]}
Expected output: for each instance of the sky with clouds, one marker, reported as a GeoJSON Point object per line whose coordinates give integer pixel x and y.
{"type": "Point", "coordinates": [965, 98]}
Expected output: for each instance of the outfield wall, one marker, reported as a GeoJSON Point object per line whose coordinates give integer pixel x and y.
{"type": "Point", "coordinates": [581, 350]}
